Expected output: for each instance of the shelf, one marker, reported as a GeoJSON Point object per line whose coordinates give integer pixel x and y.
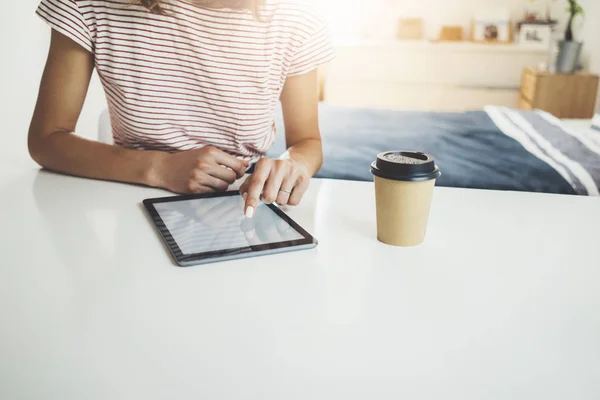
{"type": "Point", "coordinates": [426, 45]}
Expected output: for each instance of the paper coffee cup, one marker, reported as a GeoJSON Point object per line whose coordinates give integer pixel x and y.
{"type": "Point", "coordinates": [404, 183]}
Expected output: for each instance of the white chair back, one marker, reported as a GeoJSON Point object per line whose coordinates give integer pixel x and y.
{"type": "Point", "coordinates": [596, 122]}
{"type": "Point", "coordinates": [104, 128]}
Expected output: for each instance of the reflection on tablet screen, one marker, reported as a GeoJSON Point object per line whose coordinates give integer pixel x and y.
{"type": "Point", "coordinates": [215, 224]}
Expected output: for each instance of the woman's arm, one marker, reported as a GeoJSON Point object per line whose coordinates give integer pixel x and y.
{"type": "Point", "coordinates": [300, 105]}
{"type": "Point", "coordinates": [285, 180]}
{"type": "Point", "coordinates": [53, 144]}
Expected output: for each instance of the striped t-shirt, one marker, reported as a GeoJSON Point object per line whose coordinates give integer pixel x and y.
{"type": "Point", "coordinates": [195, 76]}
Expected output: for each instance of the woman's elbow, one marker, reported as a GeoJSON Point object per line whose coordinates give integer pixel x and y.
{"type": "Point", "coordinates": [37, 148]}
{"type": "Point", "coordinates": [320, 154]}
{"type": "Point", "coordinates": [34, 148]}
{"type": "Point", "coordinates": [320, 161]}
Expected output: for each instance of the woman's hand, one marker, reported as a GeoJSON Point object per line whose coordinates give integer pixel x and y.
{"type": "Point", "coordinates": [284, 181]}
{"type": "Point", "coordinates": [205, 170]}
{"type": "Point", "coordinates": [276, 181]}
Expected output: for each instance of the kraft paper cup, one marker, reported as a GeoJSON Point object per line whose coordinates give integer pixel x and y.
{"type": "Point", "coordinates": [404, 183]}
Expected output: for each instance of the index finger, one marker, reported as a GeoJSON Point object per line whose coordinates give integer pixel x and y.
{"type": "Point", "coordinates": [255, 187]}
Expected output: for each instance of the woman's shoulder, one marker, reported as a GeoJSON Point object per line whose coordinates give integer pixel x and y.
{"type": "Point", "coordinates": [130, 5]}
{"type": "Point", "coordinates": [94, 6]}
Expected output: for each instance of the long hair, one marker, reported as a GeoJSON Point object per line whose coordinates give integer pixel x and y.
{"type": "Point", "coordinates": [157, 6]}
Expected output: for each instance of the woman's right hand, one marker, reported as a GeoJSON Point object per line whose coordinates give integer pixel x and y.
{"type": "Point", "coordinates": [205, 170]}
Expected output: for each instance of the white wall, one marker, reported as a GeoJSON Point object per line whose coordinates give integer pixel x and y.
{"type": "Point", "coordinates": [349, 16]}
{"type": "Point", "coordinates": [24, 46]}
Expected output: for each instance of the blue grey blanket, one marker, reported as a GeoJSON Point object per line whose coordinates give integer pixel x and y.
{"type": "Point", "coordinates": [492, 149]}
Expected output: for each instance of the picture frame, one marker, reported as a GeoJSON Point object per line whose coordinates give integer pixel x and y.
{"type": "Point", "coordinates": [492, 26]}
{"type": "Point", "coordinates": [535, 35]}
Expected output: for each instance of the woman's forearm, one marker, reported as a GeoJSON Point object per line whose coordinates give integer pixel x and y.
{"type": "Point", "coordinates": [309, 152]}
{"type": "Point", "coordinates": [70, 154]}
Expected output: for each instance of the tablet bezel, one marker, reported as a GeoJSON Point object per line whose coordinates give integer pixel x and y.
{"type": "Point", "coordinates": [186, 260]}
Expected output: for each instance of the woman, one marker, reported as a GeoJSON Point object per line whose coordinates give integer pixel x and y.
{"type": "Point", "coordinates": [191, 86]}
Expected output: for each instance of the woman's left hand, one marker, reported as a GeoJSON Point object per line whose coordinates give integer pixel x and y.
{"type": "Point", "coordinates": [278, 181]}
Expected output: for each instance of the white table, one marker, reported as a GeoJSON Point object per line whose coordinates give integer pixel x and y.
{"type": "Point", "coordinates": [502, 302]}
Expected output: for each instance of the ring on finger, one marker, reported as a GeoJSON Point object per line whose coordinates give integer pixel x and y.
{"type": "Point", "coordinates": [285, 191]}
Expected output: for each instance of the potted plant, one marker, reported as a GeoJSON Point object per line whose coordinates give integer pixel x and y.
{"type": "Point", "coordinates": [570, 49]}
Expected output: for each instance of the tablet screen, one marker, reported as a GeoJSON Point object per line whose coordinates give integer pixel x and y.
{"type": "Point", "coordinates": [216, 224]}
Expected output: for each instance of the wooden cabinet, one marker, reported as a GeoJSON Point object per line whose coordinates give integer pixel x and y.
{"type": "Point", "coordinates": [564, 96]}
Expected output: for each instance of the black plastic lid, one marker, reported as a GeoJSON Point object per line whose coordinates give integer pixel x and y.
{"type": "Point", "coordinates": [405, 166]}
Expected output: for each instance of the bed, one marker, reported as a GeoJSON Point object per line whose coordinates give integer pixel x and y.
{"type": "Point", "coordinates": [496, 148]}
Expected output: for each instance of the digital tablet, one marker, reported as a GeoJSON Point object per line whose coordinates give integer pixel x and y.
{"type": "Point", "coordinates": [201, 229]}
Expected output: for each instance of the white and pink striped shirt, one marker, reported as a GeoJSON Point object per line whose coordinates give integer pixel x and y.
{"type": "Point", "coordinates": [195, 76]}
